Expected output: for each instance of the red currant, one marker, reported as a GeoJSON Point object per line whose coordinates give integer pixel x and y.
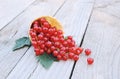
{"type": "Point", "coordinates": [42, 20]}
{"type": "Point", "coordinates": [39, 29]}
{"type": "Point", "coordinates": [41, 51]}
{"type": "Point", "coordinates": [48, 44]}
{"type": "Point", "coordinates": [40, 36]}
{"type": "Point", "coordinates": [36, 22]}
{"type": "Point", "coordinates": [49, 51]}
{"type": "Point", "coordinates": [70, 37]}
{"type": "Point", "coordinates": [77, 52]}
{"type": "Point", "coordinates": [62, 53]}
{"type": "Point", "coordinates": [59, 32]}
{"type": "Point", "coordinates": [37, 52]}
{"type": "Point", "coordinates": [65, 58]}
{"type": "Point", "coordinates": [52, 48]}
{"type": "Point", "coordinates": [55, 53]}
{"type": "Point", "coordinates": [59, 57]}
{"type": "Point", "coordinates": [65, 43]}
{"type": "Point", "coordinates": [46, 24]}
{"type": "Point", "coordinates": [87, 52]}
{"type": "Point", "coordinates": [75, 57]}
{"type": "Point", "coordinates": [33, 35]}
{"type": "Point", "coordinates": [35, 27]}
{"type": "Point", "coordinates": [45, 30]}
{"type": "Point", "coordinates": [42, 46]}
{"type": "Point", "coordinates": [34, 43]}
{"type": "Point", "coordinates": [90, 60]}
{"type": "Point", "coordinates": [80, 49]}
{"type": "Point", "coordinates": [71, 55]}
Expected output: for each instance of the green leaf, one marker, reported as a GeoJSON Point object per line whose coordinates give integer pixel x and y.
{"type": "Point", "coordinates": [46, 60]}
{"type": "Point", "coordinates": [22, 42]}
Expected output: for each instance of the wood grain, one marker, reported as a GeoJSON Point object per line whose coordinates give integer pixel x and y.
{"type": "Point", "coordinates": [103, 38]}
{"type": "Point", "coordinates": [17, 29]}
{"type": "Point", "coordinates": [10, 9]}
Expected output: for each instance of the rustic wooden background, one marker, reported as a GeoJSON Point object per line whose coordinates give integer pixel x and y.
{"type": "Point", "coordinates": [95, 24]}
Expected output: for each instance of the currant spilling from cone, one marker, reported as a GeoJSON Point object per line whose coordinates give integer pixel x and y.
{"type": "Point", "coordinates": [49, 39]}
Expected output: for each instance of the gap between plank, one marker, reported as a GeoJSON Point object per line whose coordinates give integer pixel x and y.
{"type": "Point", "coordinates": [82, 39]}
{"type": "Point", "coordinates": [59, 8]}
{"type": "Point", "coordinates": [17, 63]}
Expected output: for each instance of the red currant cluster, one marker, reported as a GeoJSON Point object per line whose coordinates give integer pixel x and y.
{"type": "Point", "coordinates": [49, 39]}
{"type": "Point", "coordinates": [46, 38]}
{"type": "Point", "coordinates": [87, 53]}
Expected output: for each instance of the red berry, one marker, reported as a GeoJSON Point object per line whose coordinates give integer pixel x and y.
{"type": "Point", "coordinates": [55, 33]}
{"type": "Point", "coordinates": [31, 31]}
{"type": "Point", "coordinates": [65, 43]}
{"type": "Point", "coordinates": [42, 20]}
{"type": "Point", "coordinates": [48, 44]}
{"type": "Point", "coordinates": [72, 49]}
{"type": "Point", "coordinates": [42, 46]}
{"type": "Point", "coordinates": [45, 30]}
{"type": "Point", "coordinates": [60, 36]}
{"type": "Point", "coordinates": [60, 46]}
{"type": "Point", "coordinates": [50, 31]}
{"type": "Point", "coordinates": [33, 39]}
{"type": "Point", "coordinates": [56, 39]}
{"type": "Point", "coordinates": [39, 29]}
{"type": "Point", "coordinates": [41, 51]}
{"type": "Point", "coordinates": [49, 51]}
{"type": "Point", "coordinates": [34, 43]}
{"type": "Point", "coordinates": [65, 58]}
{"type": "Point", "coordinates": [71, 55]}
{"type": "Point", "coordinates": [62, 49]}
{"type": "Point", "coordinates": [57, 44]}
{"type": "Point", "coordinates": [77, 52]}
{"type": "Point", "coordinates": [45, 39]}
{"type": "Point", "coordinates": [68, 41]}
{"type": "Point", "coordinates": [33, 35]}
{"type": "Point", "coordinates": [35, 27]}
{"type": "Point", "coordinates": [55, 53]}
{"type": "Point", "coordinates": [72, 44]}
{"type": "Point", "coordinates": [40, 36]}
{"type": "Point", "coordinates": [52, 48]}
{"type": "Point", "coordinates": [61, 40]}
{"type": "Point", "coordinates": [46, 24]}
{"type": "Point", "coordinates": [87, 52]}
{"type": "Point", "coordinates": [40, 42]}
{"type": "Point", "coordinates": [47, 35]}
{"type": "Point", "coordinates": [36, 22]}
{"type": "Point", "coordinates": [59, 57]}
{"type": "Point", "coordinates": [70, 37]}
{"type": "Point", "coordinates": [37, 52]}
{"type": "Point", "coordinates": [66, 49]}
{"type": "Point", "coordinates": [90, 60]}
{"type": "Point", "coordinates": [80, 49]}
{"type": "Point", "coordinates": [75, 57]}
{"type": "Point", "coordinates": [62, 53]}
{"type": "Point", "coordinates": [45, 49]}
{"type": "Point", "coordinates": [59, 32]}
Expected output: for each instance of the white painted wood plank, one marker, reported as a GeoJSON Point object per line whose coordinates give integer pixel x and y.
{"type": "Point", "coordinates": [10, 9]}
{"type": "Point", "coordinates": [103, 37]}
{"type": "Point", "coordinates": [74, 16]}
{"type": "Point", "coordinates": [19, 28]}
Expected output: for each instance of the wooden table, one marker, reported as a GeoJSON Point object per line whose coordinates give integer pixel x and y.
{"type": "Point", "coordinates": [93, 24]}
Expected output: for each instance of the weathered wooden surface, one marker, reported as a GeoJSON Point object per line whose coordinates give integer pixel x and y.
{"type": "Point", "coordinates": [102, 36]}
{"type": "Point", "coordinates": [9, 10]}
